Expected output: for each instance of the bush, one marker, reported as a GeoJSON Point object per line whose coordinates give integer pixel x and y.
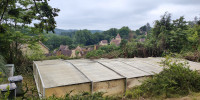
{"type": "Point", "coordinates": [113, 54]}
{"type": "Point", "coordinates": [175, 80]}
{"type": "Point", "coordinates": [109, 48]}
{"type": "Point", "coordinates": [192, 56]}
{"type": "Point", "coordinates": [82, 96]}
{"type": "Point", "coordinates": [95, 54]}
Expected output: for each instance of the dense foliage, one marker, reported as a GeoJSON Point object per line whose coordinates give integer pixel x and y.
{"type": "Point", "coordinates": [175, 80]}
{"type": "Point", "coordinates": [167, 36]}
{"type": "Point", "coordinates": [16, 18]}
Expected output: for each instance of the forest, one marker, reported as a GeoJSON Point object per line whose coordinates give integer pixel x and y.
{"type": "Point", "coordinates": [30, 21]}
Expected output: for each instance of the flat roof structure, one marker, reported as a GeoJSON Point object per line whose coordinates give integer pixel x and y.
{"type": "Point", "coordinates": [124, 69]}
{"type": "Point", "coordinates": [95, 71]}
{"type": "Point", "coordinates": [112, 76]}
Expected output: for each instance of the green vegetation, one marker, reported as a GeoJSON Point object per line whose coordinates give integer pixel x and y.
{"type": "Point", "coordinates": [82, 96]}
{"type": "Point", "coordinates": [175, 80]}
{"type": "Point", "coordinates": [167, 36]}
{"type": "Point", "coordinates": [26, 22]}
{"type": "Point", "coordinates": [3, 69]}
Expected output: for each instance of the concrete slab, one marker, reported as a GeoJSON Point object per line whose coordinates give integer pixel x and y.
{"type": "Point", "coordinates": [95, 71]}
{"type": "Point", "coordinates": [124, 69]}
{"type": "Point", "coordinates": [142, 65]}
{"type": "Point", "coordinates": [59, 73]}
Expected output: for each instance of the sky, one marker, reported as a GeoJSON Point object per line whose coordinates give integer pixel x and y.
{"type": "Point", "coordinates": [106, 14]}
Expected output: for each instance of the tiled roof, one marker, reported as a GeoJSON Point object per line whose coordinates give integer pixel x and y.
{"type": "Point", "coordinates": [66, 52]}
{"type": "Point", "coordinates": [104, 41]}
{"type": "Point", "coordinates": [63, 47]}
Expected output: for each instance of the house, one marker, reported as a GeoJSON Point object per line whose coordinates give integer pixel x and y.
{"type": "Point", "coordinates": [64, 50]}
{"type": "Point", "coordinates": [44, 48]}
{"type": "Point", "coordinates": [142, 40]}
{"type": "Point", "coordinates": [146, 33]}
{"type": "Point", "coordinates": [28, 51]}
{"type": "Point", "coordinates": [103, 42]}
{"type": "Point", "coordinates": [116, 41]}
{"type": "Point", "coordinates": [76, 52]}
{"type": "Point", "coordinates": [96, 47]}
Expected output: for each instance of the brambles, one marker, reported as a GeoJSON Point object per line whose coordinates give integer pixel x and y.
{"type": "Point", "coordinates": [175, 80]}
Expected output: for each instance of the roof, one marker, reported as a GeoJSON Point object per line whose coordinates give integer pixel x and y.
{"type": "Point", "coordinates": [104, 41]}
{"type": "Point", "coordinates": [124, 69]}
{"type": "Point", "coordinates": [43, 45]}
{"type": "Point", "coordinates": [59, 73]}
{"type": "Point", "coordinates": [116, 42]}
{"type": "Point", "coordinates": [95, 71]}
{"type": "Point", "coordinates": [67, 72]}
{"type": "Point", "coordinates": [12, 86]}
{"type": "Point", "coordinates": [63, 47]}
{"type": "Point", "coordinates": [66, 52]}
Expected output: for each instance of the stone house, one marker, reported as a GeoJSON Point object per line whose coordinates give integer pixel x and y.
{"type": "Point", "coordinates": [116, 41]}
{"type": "Point", "coordinates": [103, 42]}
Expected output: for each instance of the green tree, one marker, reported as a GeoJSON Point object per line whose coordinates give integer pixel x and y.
{"type": "Point", "coordinates": [124, 31]}
{"type": "Point", "coordinates": [84, 37]}
{"type": "Point", "coordinates": [15, 30]}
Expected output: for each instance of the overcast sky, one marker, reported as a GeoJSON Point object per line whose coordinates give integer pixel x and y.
{"type": "Point", "coordinates": [106, 14]}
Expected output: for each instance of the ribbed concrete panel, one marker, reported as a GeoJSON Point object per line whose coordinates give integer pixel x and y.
{"type": "Point", "coordinates": [112, 76]}
{"type": "Point", "coordinates": [140, 64]}
{"type": "Point", "coordinates": [59, 73]}
{"type": "Point", "coordinates": [95, 71]}
{"type": "Point", "coordinates": [124, 69]}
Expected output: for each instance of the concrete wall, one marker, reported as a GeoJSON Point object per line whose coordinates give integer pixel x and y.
{"type": "Point", "coordinates": [131, 82]}
{"type": "Point", "coordinates": [62, 90]}
{"type": "Point", "coordinates": [110, 87]}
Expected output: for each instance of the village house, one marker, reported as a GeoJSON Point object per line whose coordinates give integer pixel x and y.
{"type": "Point", "coordinates": [64, 50]}
{"type": "Point", "coordinates": [142, 40]}
{"type": "Point", "coordinates": [103, 42]}
{"type": "Point", "coordinates": [27, 51]}
{"type": "Point", "coordinates": [76, 52]}
{"type": "Point", "coordinates": [116, 41]}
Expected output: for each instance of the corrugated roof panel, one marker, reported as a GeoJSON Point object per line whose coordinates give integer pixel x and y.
{"type": "Point", "coordinates": [95, 71]}
{"type": "Point", "coordinates": [59, 74]}
{"type": "Point", "coordinates": [124, 69]}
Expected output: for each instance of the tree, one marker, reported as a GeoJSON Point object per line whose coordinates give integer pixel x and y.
{"type": "Point", "coordinates": [124, 31]}
{"type": "Point", "coordinates": [15, 25]}
{"type": "Point", "coordinates": [83, 37]}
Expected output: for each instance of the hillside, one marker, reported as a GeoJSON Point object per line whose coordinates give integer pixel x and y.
{"type": "Point", "coordinates": [59, 31]}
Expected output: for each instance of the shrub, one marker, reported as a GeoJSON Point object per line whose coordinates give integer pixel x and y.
{"type": "Point", "coordinates": [176, 79]}
{"type": "Point", "coordinates": [113, 54]}
{"type": "Point", "coordinates": [109, 48]}
{"type": "Point", "coordinates": [82, 96]}
{"type": "Point", "coordinates": [95, 54]}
